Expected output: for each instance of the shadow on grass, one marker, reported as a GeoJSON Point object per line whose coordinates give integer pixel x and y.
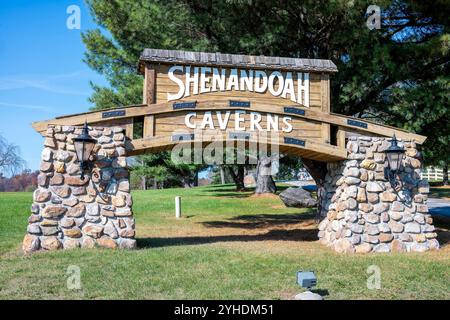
{"type": "Point", "coordinates": [259, 220]}
{"type": "Point", "coordinates": [322, 292]}
{"type": "Point", "coordinates": [246, 222]}
{"type": "Point", "coordinates": [226, 191]}
{"type": "Point", "coordinates": [442, 224]}
{"type": "Point", "coordinates": [277, 235]}
{"type": "Point", "coordinates": [231, 194]}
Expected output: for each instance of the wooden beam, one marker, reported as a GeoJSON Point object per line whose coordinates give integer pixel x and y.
{"type": "Point", "coordinates": [129, 130]}
{"type": "Point", "coordinates": [351, 123]}
{"type": "Point", "coordinates": [313, 149]}
{"type": "Point", "coordinates": [325, 92]}
{"type": "Point", "coordinates": [340, 137]}
{"type": "Point", "coordinates": [149, 85]}
{"type": "Point", "coordinates": [326, 132]}
{"type": "Point", "coordinates": [149, 126]}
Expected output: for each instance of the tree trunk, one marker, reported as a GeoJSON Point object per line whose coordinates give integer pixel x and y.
{"type": "Point", "coordinates": [264, 180]}
{"type": "Point", "coordinates": [238, 178]}
{"type": "Point", "coordinates": [155, 183]}
{"type": "Point", "coordinates": [144, 182]}
{"type": "Point", "coordinates": [318, 170]}
{"type": "Point", "coordinates": [445, 174]}
{"type": "Point", "coordinates": [186, 182]}
{"type": "Point", "coordinates": [222, 174]}
{"type": "Point", "coordinates": [196, 179]}
{"type": "Point", "coordinates": [143, 178]}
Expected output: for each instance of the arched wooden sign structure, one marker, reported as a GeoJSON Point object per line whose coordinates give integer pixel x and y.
{"type": "Point", "coordinates": [189, 90]}
{"type": "Point", "coordinates": [231, 98]}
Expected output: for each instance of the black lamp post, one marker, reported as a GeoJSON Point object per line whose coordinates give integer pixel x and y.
{"type": "Point", "coordinates": [84, 144]}
{"type": "Point", "coordinates": [394, 155]}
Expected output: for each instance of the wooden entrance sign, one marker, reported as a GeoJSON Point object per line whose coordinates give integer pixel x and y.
{"type": "Point", "coordinates": [240, 96]}
{"type": "Point", "coordinates": [197, 98]}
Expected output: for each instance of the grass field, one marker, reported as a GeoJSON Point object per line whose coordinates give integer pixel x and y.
{"type": "Point", "coordinates": [227, 246]}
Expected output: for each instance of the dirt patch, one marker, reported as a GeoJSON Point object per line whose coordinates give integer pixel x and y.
{"type": "Point", "coordinates": [264, 196]}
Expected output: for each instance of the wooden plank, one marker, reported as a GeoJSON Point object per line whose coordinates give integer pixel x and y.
{"type": "Point", "coordinates": [167, 86]}
{"type": "Point", "coordinates": [314, 103]}
{"type": "Point", "coordinates": [176, 121]}
{"type": "Point", "coordinates": [163, 56]}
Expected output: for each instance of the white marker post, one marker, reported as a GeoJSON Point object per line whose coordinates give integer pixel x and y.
{"type": "Point", "coordinates": [178, 207]}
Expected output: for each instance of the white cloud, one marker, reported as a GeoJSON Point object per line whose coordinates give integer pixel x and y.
{"type": "Point", "coordinates": [28, 107]}
{"type": "Point", "coordinates": [59, 83]}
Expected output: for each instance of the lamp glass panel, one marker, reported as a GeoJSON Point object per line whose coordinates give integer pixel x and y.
{"type": "Point", "coordinates": [88, 146]}
{"type": "Point", "coordinates": [394, 159]}
{"type": "Point", "coordinates": [79, 149]}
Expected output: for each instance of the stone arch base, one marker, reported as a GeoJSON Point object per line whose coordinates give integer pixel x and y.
{"type": "Point", "coordinates": [361, 211]}
{"type": "Point", "coordinates": [68, 212]}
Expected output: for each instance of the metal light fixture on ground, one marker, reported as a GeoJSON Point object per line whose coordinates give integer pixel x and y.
{"type": "Point", "coordinates": [84, 144]}
{"type": "Point", "coordinates": [307, 280]}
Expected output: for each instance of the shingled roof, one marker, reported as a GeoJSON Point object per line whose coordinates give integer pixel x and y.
{"type": "Point", "coordinates": [234, 60]}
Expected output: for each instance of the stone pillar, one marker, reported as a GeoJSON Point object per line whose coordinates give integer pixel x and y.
{"type": "Point", "coordinates": [68, 212]}
{"type": "Point", "coordinates": [361, 211]}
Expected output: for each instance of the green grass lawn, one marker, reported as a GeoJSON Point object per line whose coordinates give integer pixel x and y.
{"type": "Point", "coordinates": [228, 245]}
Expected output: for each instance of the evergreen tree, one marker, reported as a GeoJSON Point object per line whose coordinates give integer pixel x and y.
{"type": "Point", "coordinates": [396, 75]}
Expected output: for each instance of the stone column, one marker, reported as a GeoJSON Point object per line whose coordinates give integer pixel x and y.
{"type": "Point", "coordinates": [362, 212]}
{"type": "Point", "coordinates": [68, 212]}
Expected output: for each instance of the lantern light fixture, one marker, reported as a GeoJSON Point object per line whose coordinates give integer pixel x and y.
{"type": "Point", "coordinates": [84, 145]}
{"type": "Point", "coordinates": [394, 155]}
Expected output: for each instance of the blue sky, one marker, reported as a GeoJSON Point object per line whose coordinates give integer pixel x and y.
{"type": "Point", "coordinates": [42, 74]}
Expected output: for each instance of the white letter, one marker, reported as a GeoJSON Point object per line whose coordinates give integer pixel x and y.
{"type": "Point", "coordinates": [246, 82]}
{"type": "Point", "coordinates": [288, 127]}
{"type": "Point", "coordinates": [272, 83]}
{"type": "Point", "coordinates": [193, 80]}
{"type": "Point", "coordinates": [74, 20]}
{"type": "Point", "coordinates": [374, 19]}
{"type": "Point", "coordinates": [178, 81]}
{"type": "Point", "coordinates": [303, 88]}
{"type": "Point", "coordinates": [255, 119]}
{"type": "Point", "coordinates": [187, 120]}
{"type": "Point", "coordinates": [213, 152]}
{"type": "Point", "coordinates": [272, 122]}
{"type": "Point", "coordinates": [204, 80]}
{"type": "Point", "coordinates": [289, 87]}
{"type": "Point", "coordinates": [374, 281]}
{"type": "Point", "coordinates": [260, 75]}
{"type": "Point", "coordinates": [181, 152]}
{"type": "Point", "coordinates": [238, 120]}
{"type": "Point", "coordinates": [218, 80]}
{"type": "Point", "coordinates": [223, 123]}
{"type": "Point", "coordinates": [74, 279]}
{"type": "Point", "coordinates": [233, 80]}
{"type": "Point", "coordinates": [207, 120]}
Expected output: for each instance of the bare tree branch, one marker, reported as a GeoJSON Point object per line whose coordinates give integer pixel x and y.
{"type": "Point", "coordinates": [10, 160]}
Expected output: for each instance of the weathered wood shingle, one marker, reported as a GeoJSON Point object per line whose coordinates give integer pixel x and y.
{"type": "Point", "coordinates": [234, 60]}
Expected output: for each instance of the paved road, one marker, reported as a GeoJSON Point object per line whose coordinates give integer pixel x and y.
{"type": "Point", "coordinates": [436, 206]}
{"type": "Point", "coordinates": [439, 207]}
